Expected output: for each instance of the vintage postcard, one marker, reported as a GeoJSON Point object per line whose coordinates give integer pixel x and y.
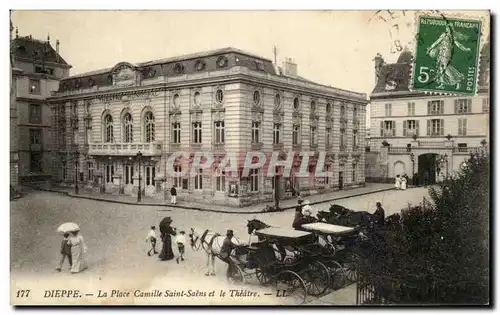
{"type": "Point", "coordinates": [249, 158]}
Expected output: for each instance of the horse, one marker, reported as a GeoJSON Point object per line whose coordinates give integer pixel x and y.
{"type": "Point", "coordinates": [339, 215]}
{"type": "Point", "coordinates": [211, 242]}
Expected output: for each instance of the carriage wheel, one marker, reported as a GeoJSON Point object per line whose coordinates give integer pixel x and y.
{"type": "Point", "coordinates": [337, 274]}
{"type": "Point", "coordinates": [236, 275]}
{"type": "Point", "coordinates": [263, 278]}
{"type": "Point", "coordinates": [292, 289]}
{"type": "Point", "coordinates": [288, 260]}
{"type": "Point", "coordinates": [317, 278]}
{"type": "Point", "coordinates": [351, 263]}
{"type": "Point", "coordinates": [330, 249]}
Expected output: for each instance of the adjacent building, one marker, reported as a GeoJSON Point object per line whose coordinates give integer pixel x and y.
{"type": "Point", "coordinates": [36, 70]}
{"type": "Point", "coordinates": [219, 101]}
{"type": "Point", "coordinates": [424, 134]}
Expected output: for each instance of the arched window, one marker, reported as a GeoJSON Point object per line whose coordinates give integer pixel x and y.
{"type": "Point", "coordinates": [108, 128]}
{"type": "Point", "coordinates": [355, 113]}
{"type": "Point", "coordinates": [149, 124]}
{"type": "Point", "coordinates": [127, 127]}
{"type": "Point", "coordinates": [342, 111]}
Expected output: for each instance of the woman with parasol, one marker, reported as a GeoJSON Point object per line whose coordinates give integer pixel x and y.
{"type": "Point", "coordinates": [78, 247]}
{"type": "Point", "coordinates": [166, 232]}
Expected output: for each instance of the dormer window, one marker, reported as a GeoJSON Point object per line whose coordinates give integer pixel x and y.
{"type": "Point", "coordinates": [65, 86]}
{"type": "Point", "coordinates": [151, 72]}
{"type": "Point", "coordinates": [77, 84]}
{"type": "Point", "coordinates": [179, 68]}
{"type": "Point", "coordinates": [91, 82]}
{"type": "Point", "coordinates": [259, 65]}
{"type": "Point", "coordinates": [110, 79]}
{"type": "Point", "coordinates": [222, 62]}
{"type": "Point", "coordinates": [199, 65]}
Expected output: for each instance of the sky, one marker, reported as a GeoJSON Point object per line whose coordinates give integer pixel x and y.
{"type": "Point", "coordinates": [334, 48]}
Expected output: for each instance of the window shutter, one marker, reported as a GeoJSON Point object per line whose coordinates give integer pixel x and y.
{"type": "Point", "coordinates": [404, 128]}
{"type": "Point", "coordinates": [428, 127]}
{"type": "Point", "coordinates": [456, 106]}
{"type": "Point", "coordinates": [441, 107]}
{"type": "Point", "coordinates": [409, 109]}
{"type": "Point", "coordinates": [442, 127]}
{"type": "Point", "coordinates": [469, 105]}
{"type": "Point", "coordinates": [393, 128]}
{"type": "Point", "coordinates": [416, 128]}
{"type": "Point", "coordinates": [464, 126]}
{"type": "Point", "coordinates": [429, 107]}
{"type": "Point", "coordinates": [459, 126]}
{"type": "Point", "coordinates": [381, 128]}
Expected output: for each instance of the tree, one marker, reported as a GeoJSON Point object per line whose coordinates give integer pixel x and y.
{"type": "Point", "coordinates": [438, 252]}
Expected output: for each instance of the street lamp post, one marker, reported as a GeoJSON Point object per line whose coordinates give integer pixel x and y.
{"type": "Point", "coordinates": [412, 157]}
{"type": "Point", "coordinates": [446, 161]}
{"type": "Point", "coordinates": [76, 172]}
{"type": "Point", "coordinates": [276, 190]}
{"type": "Point", "coordinates": [139, 196]}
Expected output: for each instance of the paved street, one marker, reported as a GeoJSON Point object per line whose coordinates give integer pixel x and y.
{"type": "Point", "coordinates": [115, 235]}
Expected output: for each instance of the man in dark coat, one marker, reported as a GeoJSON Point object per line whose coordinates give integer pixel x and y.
{"type": "Point", "coordinates": [173, 195]}
{"type": "Point", "coordinates": [298, 213]}
{"type": "Point", "coordinates": [380, 213]}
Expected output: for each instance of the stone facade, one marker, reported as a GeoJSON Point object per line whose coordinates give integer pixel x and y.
{"type": "Point", "coordinates": [231, 99]}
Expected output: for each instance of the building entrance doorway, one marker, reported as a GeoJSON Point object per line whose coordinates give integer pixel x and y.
{"type": "Point", "coordinates": [427, 168]}
{"type": "Point", "coordinates": [341, 180]}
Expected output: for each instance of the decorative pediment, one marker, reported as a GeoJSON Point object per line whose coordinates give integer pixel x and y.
{"type": "Point", "coordinates": [196, 116]}
{"type": "Point", "coordinates": [257, 116]}
{"type": "Point", "coordinates": [314, 122]}
{"type": "Point", "coordinates": [124, 73]}
{"type": "Point", "coordinates": [297, 120]}
{"type": "Point", "coordinates": [277, 118]}
{"type": "Point", "coordinates": [218, 116]}
{"type": "Point", "coordinates": [175, 117]}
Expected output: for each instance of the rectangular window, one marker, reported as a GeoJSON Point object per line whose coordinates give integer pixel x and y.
{"type": "Point", "coordinates": [411, 108]}
{"type": "Point", "coordinates": [388, 110]}
{"type": "Point", "coordinates": [463, 106]}
{"type": "Point", "coordinates": [355, 139]}
{"type": "Point", "coordinates": [435, 107]}
{"type": "Point", "coordinates": [35, 136]}
{"type": "Point", "coordinates": [462, 126]}
{"type": "Point", "coordinates": [328, 140]}
{"type": "Point", "coordinates": [389, 128]}
{"type": "Point", "coordinates": [313, 135]}
{"type": "Point", "coordinates": [36, 162]}
{"type": "Point", "coordinates": [34, 86]}
{"type": "Point", "coordinates": [327, 178]}
{"type": "Point", "coordinates": [342, 141]}
{"type": "Point", "coordinates": [296, 134]}
{"type": "Point", "coordinates": [150, 175]}
{"type": "Point", "coordinates": [90, 171]}
{"type": "Point", "coordinates": [220, 181]}
{"type": "Point", "coordinates": [176, 132]}
{"type": "Point", "coordinates": [486, 105]}
{"type": "Point", "coordinates": [410, 128]}
{"type": "Point", "coordinates": [198, 180]}
{"type": "Point", "coordinates": [110, 172]}
{"type": "Point", "coordinates": [255, 131]}
{"type": "Point", "coordinates": [35, 113]}
{"type": "Point", "coordinates": [64, 167]}
{"type": "Point", "coordinates": [462, 147]}
{"type": "Point", "coordinates": [129, 174]}
{"type": "Point", "coordinates": [354, 179]}
{"type": "Point", "coordinates": [197, 132]}
{"type": "Point", "coordinates": [185, 183]}
{"type": "Point", "coordinates": [436, 127]}
{"type": "Point", "coordinates": [276, 133]}
{"type": "Point", "coordinates": [254, 180]}
{"type": "Point", "coordinates": [177, 177]}
{"type": "Point", "coordinates": [219, 132]}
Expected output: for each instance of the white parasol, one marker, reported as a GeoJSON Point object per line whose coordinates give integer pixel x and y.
{"type": "Point", "coordinates": [68, 227]}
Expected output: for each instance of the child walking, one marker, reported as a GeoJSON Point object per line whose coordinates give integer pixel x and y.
{"type": "Point", "coordinates": [180, 240]}
{"type": "Point", "coordinates": [152, 239]}
{"type": "Point", "coordinates": [65, 252]}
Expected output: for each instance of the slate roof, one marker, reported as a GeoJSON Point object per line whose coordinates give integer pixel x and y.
{"type": "Point", "coordinates": [30, 48]}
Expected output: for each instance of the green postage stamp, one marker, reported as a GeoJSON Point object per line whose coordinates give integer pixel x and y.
{"type": "Point", "coordinates": [447, 55]}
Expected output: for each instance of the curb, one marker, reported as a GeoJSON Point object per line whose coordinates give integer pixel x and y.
{"type": "Point", "coordinates": [69, 194]}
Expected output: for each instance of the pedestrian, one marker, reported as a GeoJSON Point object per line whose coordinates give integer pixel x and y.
{"type": "Point", "coordinates": [151, 238]}
{"type": "Point", "coordinates": [78, 249]}
{"type": "Point", "coordinates": [166, 232]}
{"type": "Point", "coordinates": [380, 213]}
{"type": "Point", "coordinates": [65, 252]}
{"type": "Point", "coordinates": [180, 240]}
{"type": "Point", "coordinates": [403, 183]}
{"type": "Point", "coordinates": [397, 183]}
{"type": "Point", "coordinates": [226, 249]}
{"type": "Point", "coordinates": [173, 195]}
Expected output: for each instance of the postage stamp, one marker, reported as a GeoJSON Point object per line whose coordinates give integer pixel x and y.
{"type": "Point", "coordinates": [447, 55]}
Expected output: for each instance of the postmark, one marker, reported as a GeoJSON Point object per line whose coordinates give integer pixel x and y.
{"type": "Point", "coordinates": [447, 55]}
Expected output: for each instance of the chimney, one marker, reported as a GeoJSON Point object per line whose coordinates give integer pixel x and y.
{"type": "Point", "coordinates": [290, 67]}
{"type": "Point", "coordinates": [57, 50]}
{"type": "Point", "coordinates": [48, 38]}
{"type": "Point", "coordinates": [379, 62]}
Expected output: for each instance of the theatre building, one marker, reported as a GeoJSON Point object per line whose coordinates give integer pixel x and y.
{"type": "Point", "coordinates": [114, 129]}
